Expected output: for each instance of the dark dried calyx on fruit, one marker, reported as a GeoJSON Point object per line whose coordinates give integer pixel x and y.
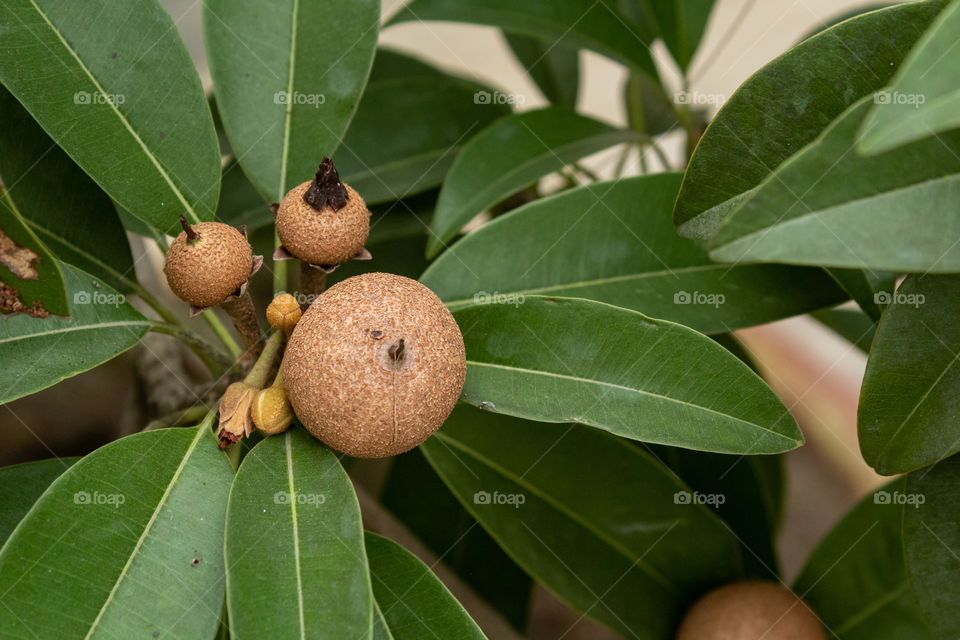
{"type": "Point", "coordinates": [323, 222]}
{"type": "Point", "coordinates": [375, 365]}
{"type": "Point", "coordinates": [209, 264]}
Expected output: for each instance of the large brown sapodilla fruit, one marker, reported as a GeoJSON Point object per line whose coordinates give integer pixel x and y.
{"type": "Point", "coordinates": [750, 610]}
{"type": "Point", "coordinates": [375, 365]}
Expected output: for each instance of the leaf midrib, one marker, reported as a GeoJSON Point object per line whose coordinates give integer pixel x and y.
{"type": "Point", "coordinates": [85, 327]}
{"type": "Point", "coordinates": [629, 555]}
{"type": "Point", "coordinates": [288, 111]}
{"type": "Point", "coordinates": [631, 390]}
{"type": "Point", "coordinates": [201, 430]}
{"type": "Point", "coordinates": [123, 120]}
{"type": "Point", "coordinates": [296, 534]}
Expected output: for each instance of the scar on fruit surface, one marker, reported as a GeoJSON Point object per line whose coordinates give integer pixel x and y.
{"type": "Point", "coordinates": [20, 260]}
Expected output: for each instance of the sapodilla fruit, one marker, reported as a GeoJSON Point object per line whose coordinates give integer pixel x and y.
{"type": "Point", "coordinates": [750, 610]}
{"type": "Point", "coordinates": [375, 365]}
{"type": "Point", "coordinates": [323, 221]}
{"type": "Point", "coordinates": [207, 263]}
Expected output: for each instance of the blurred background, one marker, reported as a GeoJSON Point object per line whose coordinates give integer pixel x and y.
{"type": "Point", "coordinates": [817, 373]}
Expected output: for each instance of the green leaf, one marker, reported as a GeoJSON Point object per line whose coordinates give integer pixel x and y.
{"type": "Point", "coordinates": [578, 23]}
{"type": "Point", "coordinates": [923, 98]}
{"type": "Point", "coordinates": [389, 64]}
{"type": "Point", "coordinates": [828, 206]}
{"type": "Point", "coordinates": [613, 242]}
{"type": "Point", "coordinates": [116, 89]}
{"type": "Point", "coordinates": [288, 79]}
{"type": "Point", "coordinates": [510, 154]}
{"type": "Point", "coordinates": [852, 324]}
{"type": "Point", "coordinates": [40, 352]}
{"type": "Point", "coordinates": [856, 580]}
{"type": "Point", "coordinates": [555, 68]}
{"type": "Point", "coordinates": [870, 289]}
{"type": "Point", "coordinates": [591, 517]}
{"type": "Point", "coordinates": [22, 485]}
{"type": "Point", "coordinates": [33, 278]}
{"type": "Point", "coordinates": [682, 23]}
{"type": "Point", "coordinates": [786, 104]}
{"type": "Point", "coordinates": [407, 132]}
{"type": "Point", "coordinates": [752, 504]}
{"type": "Point", "coordinates": [240, 202]}
{"type": "Point", "coordinates": [415, 494]}
{"type": "Point", "coordinates": [60, 203]}
{"type": "Point", "coordinates": [931, 537]}
{"type": "Point", "coordinates": [294, 545]}
{"type": "Point", "coordinates": [127, 543]}
{"type": "Point", "coordinates": [649, 110]}
{"type": "Point", "coordinates": [412, 601]}
{"type": "Point", "coordinates": [911, 389]}
{"type": "Point", "coordinates": [618, 370]}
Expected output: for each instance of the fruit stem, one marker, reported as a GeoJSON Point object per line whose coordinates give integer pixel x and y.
{"type": "Point", "coordinates": [313, 281]}
{"type": "Point", "coordinates": [221, 332]}
{"type": "Point", "coordinates": [326, 188]}
{"type": "Point", "coordinates": [191, 234]}
{"type": "Point", "coordinates": [260, 372]}
{"type": "Point", "coordinates": [279, 268]}
{"type": "Point", "coordinates": [244, 315]}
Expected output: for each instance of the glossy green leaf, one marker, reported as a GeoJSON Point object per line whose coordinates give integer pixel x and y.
{"type": "Point", "coordinates": [128, 543]}
{"type": "Point", "coordinates": [578, 23]}
{"type": "Point", "coordinates": [415, 494]}
{"type": "Point", "coordinates": [33, 278]}
{"type": "Point", "coordinates": [682, 23]}
{"type": "Point", "coordinates": [871, 290]}
{"type": "Point", "coordinates": [614, 242]}
{"type": "Point", "coordinates": [829, 206]}
{"type": "Point", "coordinates": [240, 202]}
{"type": "Point", "coordinates": [510, 154]}
{"type": "Point", "coordinates": [591, 517]}
{"type": "Point", "coordinates": [649, 109]}
{"type": "Point", "coordinates": [288, 79]}
{"type": "Point", "coordinates": [911, 389]}
{"type": "Point", "coordinates": [412, 601]}
{"type": "Point", "coordinates": [407, 133]}
{"type": "Point", "coordinates": [833, 20]}
{"type": "Point", "coordinates": [116, 89]}
{"type": "Point", "coordinates": [60, 203]}
{"type": "Point", "coordinates": [856, 580]}
{"type": "Point", "coordinates": [852, 324]}
{"type": "Point", "coordinates": [923, 98]}
{"type": "Point", "coordinates": [296, 564]}
{"type": "Point", "coordinates": [22, 485]}
{"type": "Point", "coordinates": [572, 360]}
{"type": "Point", "coordinates": [786, 104]}
{"type": "Point", "coordinates": [931, 537]}
{"type": "Point", "coordinates": [36, 353]}
{"type": "Point", "coordinates": [390, 64]}
{"type": "Point", "coordinates": [752, 505]}
{"type": "Point", "coordinates": [555, 68]}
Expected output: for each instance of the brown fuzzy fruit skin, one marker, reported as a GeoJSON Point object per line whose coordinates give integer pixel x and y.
{"type": "Point", "coordinates": [326, 236]}
{"type": "Point", "coordinates": [750, 610]}
{"type": "Point", "coordinates": [209, 270]}
{"type": "Point", "coordinates": [344, 385]}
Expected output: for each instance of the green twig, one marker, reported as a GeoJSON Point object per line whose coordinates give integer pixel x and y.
{"type": "Point", "coordinates": [215, 360]}
{"type": "Point", "coordinates": [279, 269]}
{"type": "Point", "coordinates": [260, 372]}
{"type": "Point", "coordinates": [222, 332]}
{"type": "Point", "coordinates": [183, 418]}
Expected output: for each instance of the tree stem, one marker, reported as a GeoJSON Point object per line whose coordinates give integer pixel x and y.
{"type": "Point", "coordinates": [244, 315]}
{"type": "Point", "coordinates": [313, 281]}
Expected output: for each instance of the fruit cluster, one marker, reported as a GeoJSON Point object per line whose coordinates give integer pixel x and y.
{"type": "Point", "coordinates": [372, 367]}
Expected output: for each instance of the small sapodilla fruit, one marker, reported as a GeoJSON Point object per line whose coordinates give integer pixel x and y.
{"type": "Point", "coordinates": [271, 410]}
{"type": "Point", "coordinates": [207, 263]}
{"type": "Point", "coordinates": [283, 312]}
{"type": "Point", "coordinates": [375, 365]}
{"type": "Point", "coordinates": [750, 610]}
{"type": "Point", "coordinates": [323, 221]}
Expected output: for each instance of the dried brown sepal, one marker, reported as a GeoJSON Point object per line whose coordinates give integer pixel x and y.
{"type": "Point", "coordinates": [326, 188]}
{"type": "Point", "coordinates": [363, 254]}
{"type": "Point", "coordinates": [235, 419]}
